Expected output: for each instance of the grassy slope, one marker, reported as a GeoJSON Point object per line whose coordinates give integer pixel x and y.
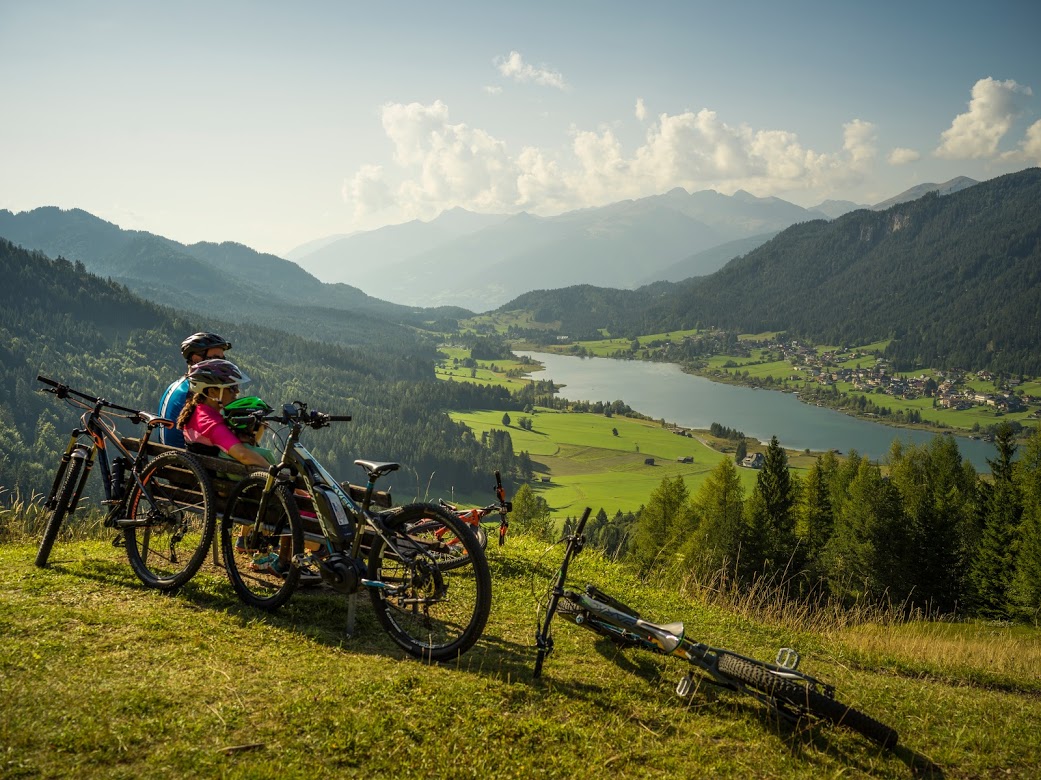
{"type": "Point", "coordinates": [589, 466]}
{"type": "Point", "coordinates": [101, 678]}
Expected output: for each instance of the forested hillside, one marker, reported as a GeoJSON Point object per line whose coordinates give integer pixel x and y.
{"type": "Point", "coordinates": [242, 284]}
{"type": "Point", "coordinates": [59, 320]}
{"type": "Point", "coordinates": [954, 280]}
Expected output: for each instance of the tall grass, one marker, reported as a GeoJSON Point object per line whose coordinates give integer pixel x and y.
{"type": "Point", "coordinates": [22, 519]}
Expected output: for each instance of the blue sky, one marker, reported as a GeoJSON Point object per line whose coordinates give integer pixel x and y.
{"type": "Point", "coordinates": [273, 124]}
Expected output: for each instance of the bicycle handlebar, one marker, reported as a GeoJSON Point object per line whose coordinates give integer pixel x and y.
{"type": "Point", "coordinates": [64, 391]}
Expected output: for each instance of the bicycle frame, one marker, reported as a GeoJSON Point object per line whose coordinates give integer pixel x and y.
{"type": "Point", "coordinates": [341, 519]}
{"type": "Point", "coordinates": [101, 435]}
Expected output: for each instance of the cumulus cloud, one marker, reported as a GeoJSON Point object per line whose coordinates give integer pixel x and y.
{"type": "Point", "coordinates": [439, 164]}
{"type": "Point", "coordinates": [976, 133]}
{"type": "Point", "coordinates": [641, 109]}
{"type": "Point", "coordinates": [1031, 144]}
{"type": "Point", "coordinates": [513, 66]}
{"type": "Point", "coordinates": [859, 140]}
{"type": "Point", "coordinates": [493, 90]}
{"type": "Point", "coordinates": [902, 156]}
{"type": "Point", "coordinates": [368, 192]}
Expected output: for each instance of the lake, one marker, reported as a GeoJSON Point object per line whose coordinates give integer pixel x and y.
{"type": "Point", "coordinates": [662, 390]}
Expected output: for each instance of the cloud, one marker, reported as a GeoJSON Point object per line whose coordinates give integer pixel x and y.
{"type": "Point", "coordinates": [513, 66]}
{"type": "Point", "coordinates": [440, 164]}
{"type": "Point", "coordinates": [1031, 144]}
{"type": "Point", "coordinates": [641, 109]}
{"type": "Point", "coordinates": [859, 140]}
{"type": "Point", "coordinates": [493, 90]}
{"type": "Point", "coordinates": [368, 192]}
{"type": "Point", "coordinates": [992, 109]}
{"type": "Point", "coordinates": [902, 156]}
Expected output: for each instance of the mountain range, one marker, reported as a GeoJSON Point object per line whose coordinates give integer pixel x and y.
{"type": "Point", "coordinates": [950, 280]}
{"type": "Point", "coordinates": [227, 281]}
{"type": "Point", "coordinates": [482, 261]}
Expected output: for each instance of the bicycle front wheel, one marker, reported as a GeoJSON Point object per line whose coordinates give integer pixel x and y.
{"type": "Point", "coordinates": [804, 699]}
{"type": "Point", "coordinates": [62, 506]}
{"type": "Point", "coordinates": [167, 537]}
{"type": "Point", "coordinates": [432, 611]}
{"type": "Point", "coordinates": [260, 564]}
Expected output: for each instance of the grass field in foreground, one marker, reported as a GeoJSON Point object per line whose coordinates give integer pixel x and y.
{"type": "Point", "coordinates": [101, 678]}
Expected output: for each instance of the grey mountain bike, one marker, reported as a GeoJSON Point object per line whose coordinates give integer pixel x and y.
{"type": "Point", "coordinates": [779, 685]}
{"type": "Point", "coordinates": [430, 605]}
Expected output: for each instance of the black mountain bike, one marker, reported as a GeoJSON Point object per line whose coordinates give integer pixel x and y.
{"type": "Point", "coordinates": [433, 608]}
{"type": "Point", "coordinates": [163, 506]}
{"type": "Point", "coordinates": [786, 691]}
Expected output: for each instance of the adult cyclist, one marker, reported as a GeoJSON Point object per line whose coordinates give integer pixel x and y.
{"type": "Point", "coordinates": [195, 348]}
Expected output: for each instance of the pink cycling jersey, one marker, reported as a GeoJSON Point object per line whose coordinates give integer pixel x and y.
{"type": "Point", "coordinates": [206, 426]}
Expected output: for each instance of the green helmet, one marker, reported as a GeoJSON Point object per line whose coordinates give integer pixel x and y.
{"type": "Point", "coordinates": [243, 414]}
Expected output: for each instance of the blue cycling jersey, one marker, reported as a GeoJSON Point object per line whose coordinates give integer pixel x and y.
{"type": "Point", "coordinates": [170, 407]}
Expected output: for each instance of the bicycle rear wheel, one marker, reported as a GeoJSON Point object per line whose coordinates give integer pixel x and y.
{"type": "Point", "coordinates": [260, 565]}
{"type": "Point", "coordinates": [804, 699]}
{"type": "Point", "coordinates": [169, 536]}
{"type": "Point", "coordinates": [433, 612]}
{"type": "Point", "coordinates": [62, 506]}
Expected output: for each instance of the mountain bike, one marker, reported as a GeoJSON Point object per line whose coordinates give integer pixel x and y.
{"type": "Point", "coordinates": [779, 685]}
{"type": "Point", "coordinates": [431, 610]}
{"type": "Point", "coordinates": [451, 551]}
{"type": "Point", "coordinates": [163, 507]}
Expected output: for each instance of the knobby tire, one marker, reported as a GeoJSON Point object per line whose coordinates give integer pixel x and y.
{"type": "Point", "coordinates": [260, 589]}
{"type": "Point", "coordinates": [803, 699]}
{"type": "Point", "coordinates": [61, 509]}
{"type": "Point", "coordinates": [171, 548]}
{"type": "Point", "coordinates": [433, 612]}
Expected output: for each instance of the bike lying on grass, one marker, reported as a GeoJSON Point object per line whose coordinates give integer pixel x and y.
{"type": "Point", "coordinates": [434, 609]}
{"type": "Point", "coordinates": [452, 552]}
{"type": "Point", "coordinates": [786, 691]}
{"type": "Point", "coordinates": [163, 507]}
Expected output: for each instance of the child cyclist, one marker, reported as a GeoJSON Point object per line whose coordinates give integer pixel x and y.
{"type": "Point", "coordinates": [212, 384]}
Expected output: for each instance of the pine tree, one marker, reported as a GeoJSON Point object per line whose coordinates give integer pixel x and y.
{"type": "Point", "coordinates": [814, 518]}
{"type": "Point", "coordinates": [769, 541]}
{"type": "Point", "coordinates": [664, 524]}
{"type": "Point", "coordinates": [994, 565]}
{"type": "Point", "coordinates": [1026, 586]}
{"type": "Point", "coordinates": [715, 546]}
{"type": "Point", "coordinates": [939, 500]}
{"type": "Point", "coordinates": [866, 555]}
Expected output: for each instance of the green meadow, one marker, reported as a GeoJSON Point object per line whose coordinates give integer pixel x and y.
{"type": "Point", "coordinates": [585, 464]}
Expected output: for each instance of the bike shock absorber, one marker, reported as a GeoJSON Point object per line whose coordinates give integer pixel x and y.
{"type": "Point", "coordinates": [115, 485]}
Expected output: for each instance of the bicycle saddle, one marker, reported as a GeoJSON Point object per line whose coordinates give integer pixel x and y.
{"type": "Point", "coordinates": [375, 469]}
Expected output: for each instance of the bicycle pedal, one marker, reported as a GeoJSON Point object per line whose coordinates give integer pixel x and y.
{"type": "Point", "coordinates": [788, 658]}
{"type": "Point", "coordinates": [686, 686]}
{"type": "Point", "coordinates": [118, 541]}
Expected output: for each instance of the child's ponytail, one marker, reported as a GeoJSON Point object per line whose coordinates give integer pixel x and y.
{"type": "Point", "coordinates": [188, 410]}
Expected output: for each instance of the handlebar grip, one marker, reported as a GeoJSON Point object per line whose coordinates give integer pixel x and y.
{"type": "Point", "coordinates": [46, 381]}
{"type": "Point", "coordinates": [338, 417]}
{"type": "Point", "coordinates": [582, 523]}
